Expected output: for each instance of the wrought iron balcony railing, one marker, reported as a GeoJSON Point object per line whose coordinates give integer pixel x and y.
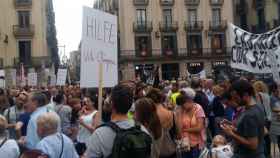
{"type": "Point", "coordinates": [23, 31]}
{"type": "Point", "coordinates": [194, 25]}
{"type": "Point", "coordinates": [168, 26]}
{"type": "Point", "coordinates": [143, 26]}
{"type": "Point", "coordinates": [23, 4]}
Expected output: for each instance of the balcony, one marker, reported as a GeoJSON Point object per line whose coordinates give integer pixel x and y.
{"type": "Point", "coordinates": [167, 2]}
{"type": "Point", "coordinates": [218, 51]}
{"type": "Point", "coordinates": [218, 25]}
{"type": "Point", "coordinates": [33, 62]}
{"type": "Point", "coordinates": [206, 53]}
{"type": "Point", "coordinates": [141, 2]}
{"type": "Point", "coordinates": [144, 53]}
{"type": "Point", "coordinates": [216, 2]}
{"type": "Point", "coordinates": [141, 27]}
{"type": "Point", "coordinates": [168, 26]}
{"type": "Point", "coordinates": [182, 54]}
{"type": "Point", "coordinates": [23, 32]}
{"type": "Point", "coordinates": [194, 26]}
{"type": "Point", "coordinates": [192, 2]}
{"type": "Point", "coordinates": [21, 4]}
{"type": "Point", "coordinates": [172, 52]}
{"type": "Point", "coordinates": [195, 52]}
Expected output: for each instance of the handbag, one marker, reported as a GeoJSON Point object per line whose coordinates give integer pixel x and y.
{"type": "Point", "coordinates": [168, 146]}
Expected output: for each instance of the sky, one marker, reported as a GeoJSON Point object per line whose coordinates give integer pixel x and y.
{"type": "Point", "coordinates": [68, 16]}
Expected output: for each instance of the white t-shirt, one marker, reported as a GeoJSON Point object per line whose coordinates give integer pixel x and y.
{"type": "Point", "coordinates": [84, 134]}
{"type": "Point", "coordinates": [222, 152]}
{"type": "Point", "coordinates": [9, 149]}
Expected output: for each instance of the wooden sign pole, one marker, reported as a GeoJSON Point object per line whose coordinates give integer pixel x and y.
{"type": "Point", "coordinates": [100, 92]}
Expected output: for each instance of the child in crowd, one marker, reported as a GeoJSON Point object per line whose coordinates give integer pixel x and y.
{"type": "Point", "coordinates": [220, 148]}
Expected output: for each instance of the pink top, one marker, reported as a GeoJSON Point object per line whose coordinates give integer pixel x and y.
{"type": "Point", "coordinates": [190, 122]}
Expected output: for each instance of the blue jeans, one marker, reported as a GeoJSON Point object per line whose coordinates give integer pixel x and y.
{"type": "Point", "coordinates": [193, 153]}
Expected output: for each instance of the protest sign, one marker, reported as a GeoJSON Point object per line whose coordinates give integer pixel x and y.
{"type": "Point", "coordinates": [256, 53]}
{"type": "Point", "coordinates": [13, 73]}
{"type": "Point", "coordinates": [61, 77]}
{"type": "Point", "coordinates": [2, 78]}
{"type": "Point", "coordinates": [201, 74]}
{"type": "Point", "coordinates": [99, 49]}
{"type": "Point", "coordinates": [32, 79]}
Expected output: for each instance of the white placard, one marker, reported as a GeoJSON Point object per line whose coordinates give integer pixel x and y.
{"type": "Point", "coordinates": [61, 77]}
{"type": "Point", "coordinates": [201, 74]}
{"type": "Point", "coordinates": [32, 79]}
{"type": "Point", "coordinates": [256, 53]}
{"type": "Point", "coordinates": [99, 45]}
{"type": "Point", "coordinates": [14, 76]}
{"type": "Point", "coordinates": [52, 80]}
{"type": "Point", "coordinates": [2, 78]}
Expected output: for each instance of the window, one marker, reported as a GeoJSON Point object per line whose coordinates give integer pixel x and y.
{"type": "Point", "coordinates": [24, 18]}
{"type": "Point", "coordinates": [194, 43]}
{"type": "Point", "coordinates": [141, 16]}
{"type": "Point", "coordinates": [24, 52]}
{"type": "Point", "coordinates": [218, 41]}
{"type": "Point", "coordinates": [143, 45]}
{"type": "Point", "coordinates": [167, 17]}
{"type": "Point", "coordinates": [192, 16]}
{"type": "Point", "coordinates": [169, 45]}
{"type": "Point", "coordinates": [216, 17]}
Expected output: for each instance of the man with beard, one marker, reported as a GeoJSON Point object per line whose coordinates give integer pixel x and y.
{"type": "Point", "coordinates": [248, 134]}
{"type": "Point", "coordinates": [12, 114]}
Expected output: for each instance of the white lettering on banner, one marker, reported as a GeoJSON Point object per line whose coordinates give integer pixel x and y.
{"type": "Point", "coordinates": [99, 45]}
{"type": "Point", "coordinates": [256, 53]}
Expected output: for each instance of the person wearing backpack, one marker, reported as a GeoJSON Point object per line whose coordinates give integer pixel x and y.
{"type": "Point", "coordinates": [120, 138]}
{"type": "Point", "coordinates": [146, 114]}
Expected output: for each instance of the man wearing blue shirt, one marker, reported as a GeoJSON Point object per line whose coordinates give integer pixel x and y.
{"type": "Point", "coordinates": [54, 143]}
{"type": "Point", "coordinates": [36, 105]}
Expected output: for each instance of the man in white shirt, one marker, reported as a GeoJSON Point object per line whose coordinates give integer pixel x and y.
{"type": "Point", "coordinates": [54, 143]}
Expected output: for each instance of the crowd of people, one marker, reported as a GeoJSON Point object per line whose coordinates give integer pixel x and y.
{"type": "Point", "coordinates": [173, 119]}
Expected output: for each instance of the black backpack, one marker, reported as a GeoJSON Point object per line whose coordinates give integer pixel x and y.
{"type": "Point", "coordinates": [132, 142]}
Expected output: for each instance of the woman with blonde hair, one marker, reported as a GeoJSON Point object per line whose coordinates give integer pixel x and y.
{"type": "Point", "coordinates": [263, 98]}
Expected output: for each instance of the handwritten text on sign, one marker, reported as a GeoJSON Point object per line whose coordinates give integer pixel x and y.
{"type": "Point", "coordinates": [257, 53]}
{"type": "Point", "coordinates": [61, 77]}
{"type": "Point", "coordinates": [99, 45]}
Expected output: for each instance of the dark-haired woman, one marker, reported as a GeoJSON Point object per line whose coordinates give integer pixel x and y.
{"type": "Point", "coordinates": [146, 114]}
{"type": "Point", "coordinates": [64, 113]}
{"type": "Point", "coordinates": [167, 121]}
{"type": "Point", "coordinates": [87, 114]}
{"type": "Point", "coordinates": [191, 118]}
